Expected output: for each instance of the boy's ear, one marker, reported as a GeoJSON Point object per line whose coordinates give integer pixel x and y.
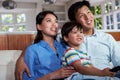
{"type": "Point", "coordinates": [65, 38]}
{"type": "Point", "coordinates": [39, 27]}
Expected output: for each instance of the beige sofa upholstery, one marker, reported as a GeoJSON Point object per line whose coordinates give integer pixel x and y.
{"type": "Point", "coordinates": [118, 43]}
{"type": "Point", "coordinates": [7, 63]}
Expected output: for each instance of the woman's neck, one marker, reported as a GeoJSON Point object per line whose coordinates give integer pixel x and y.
{"type": "Point", "coordinates": [50, 41]}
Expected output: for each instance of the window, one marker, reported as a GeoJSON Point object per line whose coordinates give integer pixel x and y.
{"type": "Point", "coordinates": [21, 19]}
{"type": "Point", "coordinates": [107, 15]}
{"type": "Point", "coordinates": [96, 10]}
{"type": "Point", "coordinates": [108, 7]}
{"type": "Point", "coordinates": [13, 22]}
{"type": "Point", "coordinates": [109, 22]}
{"type": "Point", "coordinates": [98, 23]}
{"type": "Point", "coordinates": [117, 4]}
{"type": "Point", "coordinates": [7, 21]}
{"type": "Point", "coordinates": [117, 18]}
{"type": "Point", "coordinates": [7, 18]}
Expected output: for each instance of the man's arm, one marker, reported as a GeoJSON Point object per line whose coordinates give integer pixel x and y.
{"type": "Point", "coordinates": [20, 67]}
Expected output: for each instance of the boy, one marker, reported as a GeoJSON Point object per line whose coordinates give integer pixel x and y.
{"type": "Point", "coordinates": [72, 35]}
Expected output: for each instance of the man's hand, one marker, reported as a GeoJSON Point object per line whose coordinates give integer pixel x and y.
{"type": "Point", "coordinates": [20, 68]}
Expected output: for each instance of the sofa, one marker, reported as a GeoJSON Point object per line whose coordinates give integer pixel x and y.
{"type": "Point", "coordinates": [7, 63]}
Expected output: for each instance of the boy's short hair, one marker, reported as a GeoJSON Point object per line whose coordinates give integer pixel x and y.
{"type": "Point", "coordinates": [74, 8]}
{"type": "Point", "coordinates": [67, 28]}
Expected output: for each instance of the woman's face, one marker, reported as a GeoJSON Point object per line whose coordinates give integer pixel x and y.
{"type": "Point", "coordinates": [49, 25]}
{"type": "Point", "coordinates": [85, 17]}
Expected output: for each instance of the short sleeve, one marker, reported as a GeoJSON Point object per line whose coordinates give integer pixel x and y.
{"type": "Point", "coordinates": [71, 56]}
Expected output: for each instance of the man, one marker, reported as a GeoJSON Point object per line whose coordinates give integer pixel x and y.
{"type": "Point", "coordinates": [101, 47]}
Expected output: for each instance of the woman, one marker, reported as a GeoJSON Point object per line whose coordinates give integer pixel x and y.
{"type": "Point", "coordinates": [43, 58]}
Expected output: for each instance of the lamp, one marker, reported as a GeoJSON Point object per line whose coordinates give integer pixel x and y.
{"type": "Point", "coordinates": [49, 1]}
{"type": "Point", "coordinates": [9, 4]}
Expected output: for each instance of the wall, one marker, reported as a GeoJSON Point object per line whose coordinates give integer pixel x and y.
{"type": "Point", "coordinates": [30, 20]}
{"type": "Point", "coordinates": [29, 9]}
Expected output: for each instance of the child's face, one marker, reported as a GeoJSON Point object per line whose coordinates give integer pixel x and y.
{"type": "Point", "coordinates": [75, 37]}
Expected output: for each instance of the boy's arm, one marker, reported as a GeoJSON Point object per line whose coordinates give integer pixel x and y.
{"type": "Point", "coordinates": [72, 58]}
{"type": "Point", "coordinates": [91, 70]}
{"type": "Point", "coordinates": [20, 67]}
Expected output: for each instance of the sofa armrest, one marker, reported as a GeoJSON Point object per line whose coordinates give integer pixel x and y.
{"type": "Point", "coordinates": [7, 63]}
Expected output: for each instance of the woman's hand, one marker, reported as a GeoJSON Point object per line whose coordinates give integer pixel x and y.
{"type": "Point", "coordinates": [63, 72]}
{"type": "Point", "coordinates": [20, 68]}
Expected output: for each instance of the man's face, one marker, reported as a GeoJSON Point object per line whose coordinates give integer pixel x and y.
{"type": "Point", "coordinates": [85, 17]}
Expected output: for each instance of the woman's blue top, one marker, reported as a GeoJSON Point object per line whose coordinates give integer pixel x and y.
{"type": "Point", "coordinates": [42, 60]}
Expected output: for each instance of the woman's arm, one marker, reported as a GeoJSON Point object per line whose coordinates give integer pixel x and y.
{"type": "Point", "coordinates": [21, 67]}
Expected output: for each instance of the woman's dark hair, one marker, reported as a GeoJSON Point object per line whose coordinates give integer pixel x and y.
{"type": "Point", "coordinates": [39, 19]}
{"type": "Point", "coordinates": [67, 28]}
{"type": "Point", "coordinates": [74, 8]}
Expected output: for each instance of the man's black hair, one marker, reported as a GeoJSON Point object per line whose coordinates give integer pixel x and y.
{"type": "Point", "coordinates": [74, 8]}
